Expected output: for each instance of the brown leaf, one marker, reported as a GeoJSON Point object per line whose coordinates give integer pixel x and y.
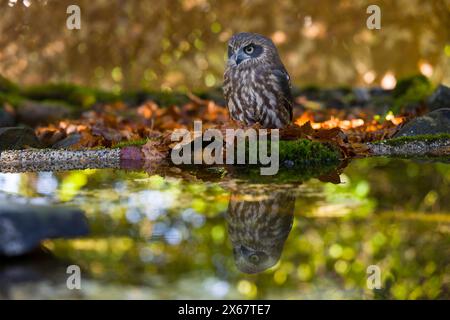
{"type": "Point", "coordinates": [155, 151]}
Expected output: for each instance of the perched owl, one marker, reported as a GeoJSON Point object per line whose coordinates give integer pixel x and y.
{"type": "Point", "coordinates": [258, 226]}
{"type": "Point", "coordinates": [256, 83]}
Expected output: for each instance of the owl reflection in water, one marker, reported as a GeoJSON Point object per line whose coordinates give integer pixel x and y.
{"type": "Point", "coordinates": [258, 226]}
{"type": "Point", "coordinates": [256, 83]}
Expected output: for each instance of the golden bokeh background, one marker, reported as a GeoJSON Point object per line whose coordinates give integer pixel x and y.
{"type": "Point", "coordinates": [181, 44]}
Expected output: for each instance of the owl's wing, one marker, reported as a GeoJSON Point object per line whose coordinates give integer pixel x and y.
{"type": "Point", "coordinates": [285, 85]}
{"type": "Point", "coordinates": [226, 85]}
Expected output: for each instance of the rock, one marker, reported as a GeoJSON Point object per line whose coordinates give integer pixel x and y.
{"type": "Point", "coordinates": [34, 160]}
{"type": "Point", "coordinates": [440, 98]}
{"type": "Point", "coordinates": [68, 141]}
{"type": "Point", "coordinates": [23, 227]}
{"type": "Point", "coordinates": [34, 113]}
{"type": "Point", "coordinates": [6, 118]}
{"type": "Point", "coordinates": [435, 122]}
{"type": "Point", "coordinates": [379, 92]}
{"type": "Point", "coordinates": [362, 95]}
{"type": "Point", "coordinates": [38, 267]}
{"type": "Point", "coordinates": [434, 147]}
{"type": "Point", "coordinates": [13, 138]}
{"type": "Point", "coordinates": [335, 98]}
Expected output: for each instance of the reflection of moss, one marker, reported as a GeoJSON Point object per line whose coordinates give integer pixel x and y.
{"type": "Point", "coordinates": [423, 137]}
{"type": "Point", "coordinates": [411, 90]}
{"type": "Point", "coordinates": [297, 174]}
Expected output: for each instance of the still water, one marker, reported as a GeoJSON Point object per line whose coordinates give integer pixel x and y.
{"type": "Point", "coordinates": [160, 237]}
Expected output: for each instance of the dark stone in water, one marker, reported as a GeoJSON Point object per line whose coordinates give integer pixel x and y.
{"type": "Point", "coordinates": [13, 138]}
{"type": "Point", "coordinates": [39, 266]}
{"type": "Point", "coordinates": [440, 98]}
{"type": "Point", "coordinates": [435, 122]}
{"type": "Point", "coordinates": [23, 227]}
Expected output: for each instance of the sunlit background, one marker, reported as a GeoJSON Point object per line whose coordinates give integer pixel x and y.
{"type": "Point", "coordinates": [181, 44]}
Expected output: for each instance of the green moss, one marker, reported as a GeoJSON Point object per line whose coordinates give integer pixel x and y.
{"type": "Point", "coordinates": [69, 93]}
{"type": "Point", "coordinates": [424, 137]}
{"type": "Point", "coordinates": [299, 160]}
{"type": "Point", "coordinates": [7, 86]}
{"type": "Point", "coordinates": [11, 98]}
{"type": "Point", "coordinates": [162, 98]}
{"type": "Point", "coordinates": [303, 151]}
{"type": "Point", "coordinates": [411, 90]}
{"type": "Point", "coordinates": [138, 143]}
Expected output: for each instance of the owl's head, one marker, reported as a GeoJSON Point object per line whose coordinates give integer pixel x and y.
{"type": "Point", "coordinates": [245, 49]}
{"type": "Point", "coordinates": [254, 260]}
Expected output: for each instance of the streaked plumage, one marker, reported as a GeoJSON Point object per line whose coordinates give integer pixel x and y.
{"type": "Point", "coordinates": [256, 83]}
{"type": "Point", "coordinates": [258, 226]}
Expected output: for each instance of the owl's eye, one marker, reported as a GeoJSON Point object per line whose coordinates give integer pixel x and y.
{"type": "Point", "coordinates": [249, 49]}
{"type": "Point", "coordinates": [254, 258]}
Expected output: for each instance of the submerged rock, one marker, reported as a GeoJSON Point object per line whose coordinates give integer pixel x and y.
{"type": "Point", "coordinates": [13, 138]}
{"type": "Point", "coordinates": [435, 122]}
{"type": "Point", "coordinates": [23, 227]}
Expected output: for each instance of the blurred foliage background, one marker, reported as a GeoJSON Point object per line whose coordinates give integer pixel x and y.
{"type": "Point", "coordinates": [181, 44]}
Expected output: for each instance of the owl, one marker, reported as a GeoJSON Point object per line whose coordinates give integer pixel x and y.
{"type": "Point", "coordinates": [256, 84]}
{"type": "Point", "coordinates": [258, 226]}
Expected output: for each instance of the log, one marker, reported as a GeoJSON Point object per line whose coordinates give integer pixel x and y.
{"type": "Point", "coordinates": [33, 160]}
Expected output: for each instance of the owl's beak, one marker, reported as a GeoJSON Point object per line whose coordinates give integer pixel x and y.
{"type": "Point", "coordinates": [239, 56]}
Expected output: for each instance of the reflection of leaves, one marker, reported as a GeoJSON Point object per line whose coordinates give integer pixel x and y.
{"type": "Point", "coordinates": [332, 177]}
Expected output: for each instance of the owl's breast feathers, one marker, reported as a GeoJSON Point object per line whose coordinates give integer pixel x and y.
{"type": "Point", "coordinates": [260, 94]}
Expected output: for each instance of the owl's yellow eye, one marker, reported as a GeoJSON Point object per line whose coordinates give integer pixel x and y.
{"type": "Point", "coordinates": [249, 49]}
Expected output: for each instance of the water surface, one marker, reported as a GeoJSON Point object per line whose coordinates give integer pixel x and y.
{"type": "Point", "coordinates": [155, 237]}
